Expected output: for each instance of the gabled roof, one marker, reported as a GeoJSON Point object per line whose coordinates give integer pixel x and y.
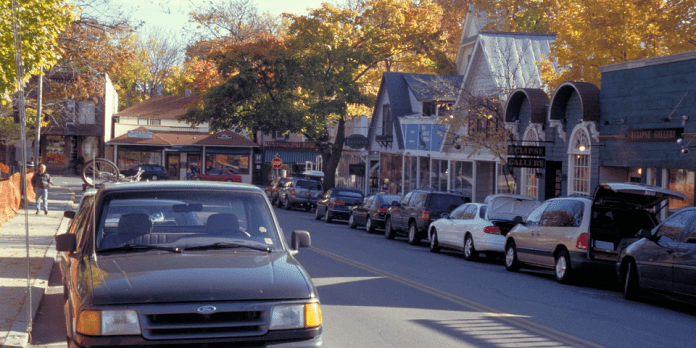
{"type": "Point", "coordinates": [225, 138]}
{"type": "Point", "coordinates": [513, 54]}
{"type": "Point", "coordinates": [161, 106]}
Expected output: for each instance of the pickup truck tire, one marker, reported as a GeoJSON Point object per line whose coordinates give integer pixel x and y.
{"type": "Point", "coordinates": [630, 282]}
{"type": "Point", "coordinates": [511, 262]}
{"type": "Point", "coordinates": [351, 222]}
{"type": "Point", "coordinates": [470, 253]}
{"type": "Point", "coordinates": [288, 205]}
{"type": "Point", "coordinates": [562, 267]}
{"type": "Point", "coordinates": [389, 233]}
{"type": "Point", "coordinates": [413, 235]}
{"type": "Point", "coordinates": [369, 227]}
{"type": "Point", "coordinates": [434, 245]}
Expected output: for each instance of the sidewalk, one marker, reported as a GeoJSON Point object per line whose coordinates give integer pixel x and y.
{"type": "Point", "coordinates": [14, 297]}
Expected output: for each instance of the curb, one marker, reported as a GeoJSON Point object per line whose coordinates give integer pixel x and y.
{"type": "Point", "coordinates": [19, 335]}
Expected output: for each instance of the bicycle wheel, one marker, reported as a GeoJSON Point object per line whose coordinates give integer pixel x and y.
{"type": "Point", "coordinates": [99, 171]}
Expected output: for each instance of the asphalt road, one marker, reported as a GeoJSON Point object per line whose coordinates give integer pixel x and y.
{"type": "Point", "coordinates": [385, 293]}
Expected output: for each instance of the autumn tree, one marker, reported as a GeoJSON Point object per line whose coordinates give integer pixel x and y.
{"type": "Point", "coordinates": [592, 33]}
{"type": "Point", "coordinates": [528, 16]}
{"type": "Point", "coordinates": [310, 79]}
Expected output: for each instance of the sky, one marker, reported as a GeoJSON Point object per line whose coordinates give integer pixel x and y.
{"type": "Point", "coordinates": [172, 15]}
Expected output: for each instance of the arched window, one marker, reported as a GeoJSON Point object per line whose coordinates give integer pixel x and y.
{"type": "Point", "coordinates": [579, 163]}
{"type": "Point", "coordinates": [530, 181]}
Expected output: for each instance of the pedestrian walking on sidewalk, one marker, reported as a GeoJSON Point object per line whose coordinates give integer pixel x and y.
{"type": "Point", "coordinates": [41, 182]}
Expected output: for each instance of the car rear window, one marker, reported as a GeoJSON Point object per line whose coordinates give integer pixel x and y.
{"type": "Point", "coordinates": [446, 202]}
{"type": "Point", "coordinates": [308, 184]}
{"type": "Point", "coordinates": [388, 199]}
{"type": "Point", "coordinates": [351, 194]}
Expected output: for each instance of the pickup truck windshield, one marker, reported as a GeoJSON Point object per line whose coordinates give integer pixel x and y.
{"type": "Point", "coordinates": [185, 219]}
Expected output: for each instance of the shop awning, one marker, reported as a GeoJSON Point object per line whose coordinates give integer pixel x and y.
{"type": "Point", "coordinates": [227, 151]}
{"type": "Point", "coordinates": [291, 156]}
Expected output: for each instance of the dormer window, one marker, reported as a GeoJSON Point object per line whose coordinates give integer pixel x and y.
{"type": "Point", "coordinates": [436, 109]}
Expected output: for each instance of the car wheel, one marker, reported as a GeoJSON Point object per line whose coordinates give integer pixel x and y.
{"type": "Point", "coordinates": [316, 214]}
{"type": "Point", "coordinates": [631, 285]}
{"type": "Point", "coordinates": [351, 222]}
{"type": "Point", "coordinates": [389, 233]}
{"type": "Point", "coordinates": [470, 253]}
{"type": "Point", "coordinates": [369, 227]}
{"type": "Point", "coordinates": [562, 269]}
{"type": "Point", "coordinates": [511, 262]}
{"type": "Point", "coordinates": [413, 237]}
{"type": "Point", "coordinates": [154, 178]}
{"type": "Point", "coordinates": [274, 200]}
{"type": "Point", "coordinates": [280, 202]}
{"type": "Point", "coordinates": [327, 216]}
{"type": "Point", "coordinates": [434, 245]}
{"type": "Point", "coordinates": [308, 208]}
{"type": "Point", "coordinates": [288, 205]}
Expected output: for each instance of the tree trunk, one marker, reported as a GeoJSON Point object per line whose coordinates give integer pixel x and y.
{"type": "Point", "coordinates": [332, 155]}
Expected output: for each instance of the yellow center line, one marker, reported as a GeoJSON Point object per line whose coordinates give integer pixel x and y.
{"type": "Point", "coordinates": [492, 312]}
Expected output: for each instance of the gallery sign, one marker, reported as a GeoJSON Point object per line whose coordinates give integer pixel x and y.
{"type": "Point", "coordinates": [356, 169]}
{"type": "Point", "coordinates": [654, 135]}
{"type": "Point", "coordinates": [515, 150]}
{"type": "Point", "coordinates": [357, 141]}
{"type": "Point", "coordinates": [526, 162]}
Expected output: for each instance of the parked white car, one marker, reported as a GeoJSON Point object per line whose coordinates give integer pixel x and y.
{"type": "Point", "coordinates": [476, 227]}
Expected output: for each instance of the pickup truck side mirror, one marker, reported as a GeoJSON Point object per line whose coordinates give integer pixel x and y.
{"type": "Point", "coordinates": [66, 242]}
{"type": "Point", "coordinates": [300, 239]}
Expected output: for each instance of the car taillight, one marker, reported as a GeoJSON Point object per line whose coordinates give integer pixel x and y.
{"type": "Point", "coordinates": [339, 202]}
{"type": "Point", "coordinates": [491, 230]}
{"type": "Point", "coordinates": [382, 210]}
{"type": "Point", "coordinates": [425, 215]}
{"type": "Point", "coordinates": [583, 241]}
{"type": "Point", "coordinates": [292, 192]}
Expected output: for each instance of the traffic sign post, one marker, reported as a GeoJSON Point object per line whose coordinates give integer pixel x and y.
{"type": "Point", "coordinates": [277, 163]}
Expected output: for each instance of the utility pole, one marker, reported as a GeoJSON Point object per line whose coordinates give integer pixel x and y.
{"type": "Point", "coordinates": [37, 138]}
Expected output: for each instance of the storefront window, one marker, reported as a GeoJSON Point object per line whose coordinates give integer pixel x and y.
{"type": "Point", "coordinates": [485, 180]}
{"type": "Point", "coordinates": [682, 181]}
{"type": "Point", "coordinates": [438, 176]}
{"type": "Point", "coordinates": [579, 160]}
{"type": "Point", "coordinates": [424, 175]}
{"type": "Point", "coordinates": [506, 180]}
{"type": "Point", "coordinates": [461, 178]}
{"type": "Point", "coordinates": [235, 164]}
{"type": "Point", "coordinates": [55, 149]}
{"type": "Point", "coordinates": [128, 158]}
{"type": "Point", "coordinates": [390, 167]}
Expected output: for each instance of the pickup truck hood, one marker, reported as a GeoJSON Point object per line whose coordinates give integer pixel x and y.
{"type": "Point", "coordinates": [211, 275]}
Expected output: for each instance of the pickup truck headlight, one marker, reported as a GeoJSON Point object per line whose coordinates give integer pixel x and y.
{"type": "Point", "coordinates": [108, 322]}
{"type": "Point", "coordinates": [295, 316]}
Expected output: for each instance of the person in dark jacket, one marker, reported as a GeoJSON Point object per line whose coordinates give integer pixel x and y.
{"type": "Point", "coordinates": [41, 182]}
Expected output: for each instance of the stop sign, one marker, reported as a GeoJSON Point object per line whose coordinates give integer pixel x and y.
{"type": "Point", "coordinates": [277, 163]}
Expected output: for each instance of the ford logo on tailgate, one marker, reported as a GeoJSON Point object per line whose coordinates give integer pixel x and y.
{"type": "Point", "coordinates": [206, 309]}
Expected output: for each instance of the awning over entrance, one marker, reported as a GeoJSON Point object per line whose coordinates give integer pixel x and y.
{"type": "Point", "coordinates": [290, 156]}
{"type": "Point", "coordinates": [218, 150]}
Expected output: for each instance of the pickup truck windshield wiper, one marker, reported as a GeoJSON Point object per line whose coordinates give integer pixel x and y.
{"type": "Point", "coordinates": [226, 245]}
{"type": "Point", "coordinates": [143, 247]}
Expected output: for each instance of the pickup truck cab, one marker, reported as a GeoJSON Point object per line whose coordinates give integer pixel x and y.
{"type": "Point", "coordinates": [186, 264]}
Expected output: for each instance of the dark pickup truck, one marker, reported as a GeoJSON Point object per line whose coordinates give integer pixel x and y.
{"type": "Point", "coordinates": [414, 213]}
{"type": "Point", "coordinates": [190, 264]}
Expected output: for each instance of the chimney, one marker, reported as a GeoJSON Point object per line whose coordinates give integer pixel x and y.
{"type": "Point", "coordinates": [187, 93]}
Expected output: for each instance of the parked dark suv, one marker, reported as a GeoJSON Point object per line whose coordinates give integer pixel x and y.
{"type": "Point", "coordinates": [414, 213]}
{"type": "Point", "coordinates": [150, 172]}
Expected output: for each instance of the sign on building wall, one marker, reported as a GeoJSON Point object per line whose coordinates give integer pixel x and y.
{"type": "Point", "coordinates": [356, 169]}
{"type": "Point", "coordinates": [526, 162]}
{"type": "Point", "coordinates": [515, 150]}
{"type": "Point", "coordinates": [139, 134]}
{"type": "Point", "coordinates": [356, 141]}
{"type": "Point", "coordinates": [653, 135]}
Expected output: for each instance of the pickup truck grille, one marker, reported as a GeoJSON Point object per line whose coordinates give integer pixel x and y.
{"type": "Point", "coordinates": [234, 323]}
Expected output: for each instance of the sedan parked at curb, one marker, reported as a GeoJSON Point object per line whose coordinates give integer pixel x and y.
{"type": "Point", "coordinates": [476, 227]}
{"type": "Point", "coordinates": [371, 212]}
{"type": "Point", "coordinates": [219, 175]}
{"type": "Point", "coordinates": [152, 172]}
{"type": "Point", "coordinates": [664, 260]}
{"type": "Point", "coordinates": [336, 203]}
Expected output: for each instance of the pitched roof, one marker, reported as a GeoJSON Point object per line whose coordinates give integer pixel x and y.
{"type": "Point", "coordinates": [161, 106]}
{"type": "Point", "coordinates": [424, 87]}
{"type": "Point", "coordinates": [225, 138]}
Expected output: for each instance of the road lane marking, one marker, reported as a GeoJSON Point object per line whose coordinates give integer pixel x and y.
{"type": "Point", "coordinates": [513, 319]}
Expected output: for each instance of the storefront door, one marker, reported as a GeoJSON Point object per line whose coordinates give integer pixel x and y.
{"type": "Point", "coordinates": [173, 165]}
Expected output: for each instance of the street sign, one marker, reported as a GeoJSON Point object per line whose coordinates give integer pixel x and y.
{"type": "Point", "coordinates": [277, 163]}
